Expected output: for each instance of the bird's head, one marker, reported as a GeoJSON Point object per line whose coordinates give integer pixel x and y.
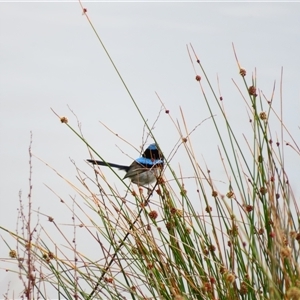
{"type": "Point", "coordinates": [153, 153]}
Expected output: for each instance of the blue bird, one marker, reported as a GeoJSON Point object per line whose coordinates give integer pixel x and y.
{"type": "Point", "coordinates": [144, 170]}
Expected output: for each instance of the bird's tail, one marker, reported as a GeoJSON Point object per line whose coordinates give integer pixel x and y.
{"type": "Point", "coordinates": [107, 164]}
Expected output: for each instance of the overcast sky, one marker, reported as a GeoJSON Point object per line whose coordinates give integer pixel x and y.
{"type": "Point", "coordinates": [51, 58]}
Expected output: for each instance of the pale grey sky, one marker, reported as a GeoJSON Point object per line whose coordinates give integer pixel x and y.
{"type": "Point", "coordinates": [50, 57]}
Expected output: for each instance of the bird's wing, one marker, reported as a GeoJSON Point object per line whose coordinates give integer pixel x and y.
{"type": "Point", "coordinates": [136, 169]}
{"type": "Point", "coordinates": [142, 165]}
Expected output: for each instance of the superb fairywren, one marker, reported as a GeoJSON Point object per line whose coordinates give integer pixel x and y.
{"type": "Point", "coordinates": [144, 170]}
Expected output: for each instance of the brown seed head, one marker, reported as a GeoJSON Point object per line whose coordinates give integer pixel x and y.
{"type": "Point", "coordinates": [205, 252]}
{"type": "Point", "coordinates": [261, 231]}
{"type": "Point", "coordinates": [233, 231]}
{"type": "Point", "coordinates": [244, 288]}
{"type": "Point", "coordinates": [263, 116]}
{"type": "Point", "coordinates": [252, 90]}
{"type": "Point", "coordinates": [263, 190]}
{"type": "Point", "coordinates": [207, 286]}
{"type": "Point", "coordinates": [64, 120]}
{"type": "Point", "coordinates": [108, 279]}
{"type": "Point", "coordinates": [272, 234]}
{"type": "Point", "coordinates": [214, 194]}
{"type": "Point", "coordinates": [13, 253]}
{"type": "Point", "coordinates": [212, 248]}
{"type": "Point", "coordinates": [160, 180]}
{"type": "Point", "coordinates": [158, 191]}
{"type": "Point", "coordinates": [243, 72]}
{"type": "Point", "coordinates": [183, 192]}
{"type": "Point", "coordinates": [249, 208]}
{"type": "Point", "coordinates": [230, 194]}
{"type": "Point", "coordinates": [208, 209]}
{"type": "Point", "coordinates": [230, 278]}
{"type": "Point", "coordinates": [153, 214]}
{"type": "Point", "coordinates": [28, 246]}
{"type": "Point", "coordinates": [198, 77]}
{"type": "Point", "coordinates": [188, 230]}
{"type": "Point", "coordinates": [173, 210]}
{"type": "Point", "coordinates": [150, 266]}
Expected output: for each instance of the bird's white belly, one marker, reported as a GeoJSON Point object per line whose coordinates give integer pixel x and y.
{"type": "Point", "coordinates": [146, 177]}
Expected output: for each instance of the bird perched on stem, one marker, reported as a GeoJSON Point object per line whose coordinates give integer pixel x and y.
{"type": "Point", "coordinates": [144, 170]}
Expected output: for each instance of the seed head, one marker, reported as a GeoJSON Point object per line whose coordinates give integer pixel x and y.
{"type": "Point", "coordinates": [252, 90]}
{"type": "Point", "coordinates": [243, 72]}
{"type": "Point", "coordinates": [263, 116]}
{"type": "Point", "coordinates": [64, 120]}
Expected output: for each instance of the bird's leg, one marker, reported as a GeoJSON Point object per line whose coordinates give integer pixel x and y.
{"type": "Point", "coordinates": [150, 191]}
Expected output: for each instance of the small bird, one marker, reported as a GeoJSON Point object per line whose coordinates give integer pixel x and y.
{"type": "Point", "coordinates": [144, 170]}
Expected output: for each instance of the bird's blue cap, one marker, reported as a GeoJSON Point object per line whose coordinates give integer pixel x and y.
{"type": "Point", "coordinates": [152, 147]}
